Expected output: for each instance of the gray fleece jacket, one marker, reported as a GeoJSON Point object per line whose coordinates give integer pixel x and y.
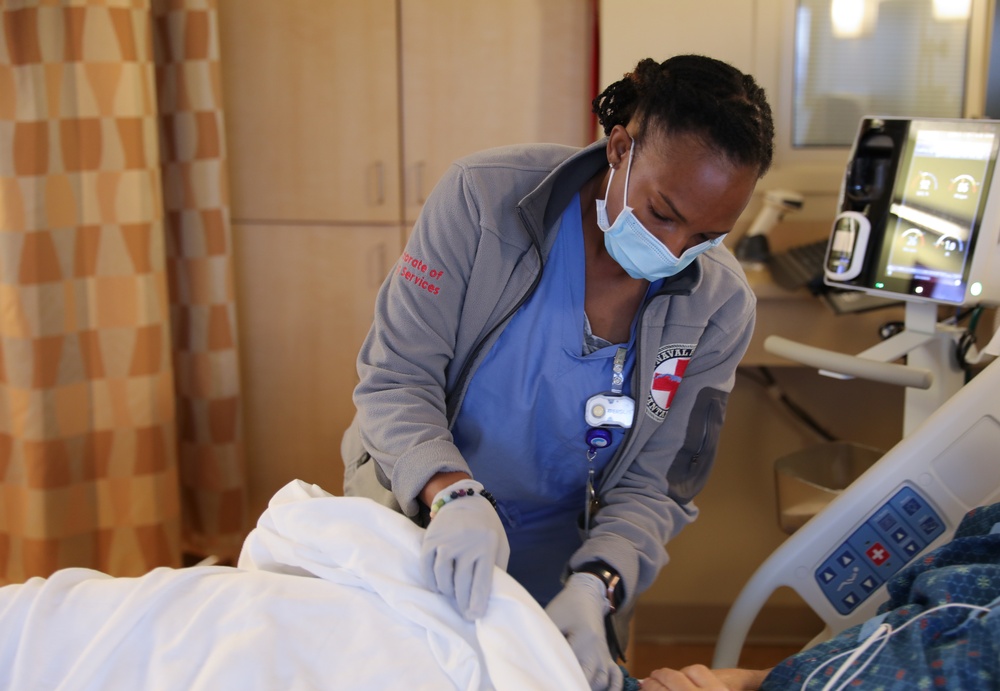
{"type": "Point", "coordinates": [475, 254]}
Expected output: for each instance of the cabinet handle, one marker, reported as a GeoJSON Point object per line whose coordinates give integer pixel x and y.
{"type": "Point", "coordinates": [419, 183]}
{"type": "Point", "coordinates": [379, 183]}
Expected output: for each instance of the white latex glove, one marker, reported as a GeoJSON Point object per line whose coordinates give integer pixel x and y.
{"type": "Point", "coordinates": [579, 610]}
{"type": "Point", "coordinates": [462, 544]}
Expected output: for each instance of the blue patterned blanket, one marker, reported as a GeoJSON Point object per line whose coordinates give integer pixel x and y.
{"type": "Point", "coordinates": [929, 648]}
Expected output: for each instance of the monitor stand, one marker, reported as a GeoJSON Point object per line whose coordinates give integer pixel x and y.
{"type": "Point", "coordinates": [931, 374]}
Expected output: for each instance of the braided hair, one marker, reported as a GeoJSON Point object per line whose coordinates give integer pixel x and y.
{"type": "Point", "coordinates": [694, 94]}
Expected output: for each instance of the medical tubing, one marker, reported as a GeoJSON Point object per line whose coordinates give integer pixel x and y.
{"type": "Point", "coordinates": [889, 632]}
{"type": "Point", "coordinates": [966, 342]}
{"type": "Point", "coordinates": [881, 635]}
{"type": "Point", "coordinates": [844, 684]}
{"type": "Point", "coordinates": [888, 373]}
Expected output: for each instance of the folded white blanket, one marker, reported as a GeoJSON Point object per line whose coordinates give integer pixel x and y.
{"type": "Point", "coordinates": [327, 595]}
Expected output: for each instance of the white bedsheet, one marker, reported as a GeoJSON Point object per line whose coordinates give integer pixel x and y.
{"type": "Point", "coordinates": [327, 595]}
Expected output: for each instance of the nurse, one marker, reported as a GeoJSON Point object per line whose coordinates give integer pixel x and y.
{"type": "Point", "coordinates": [548, 368]}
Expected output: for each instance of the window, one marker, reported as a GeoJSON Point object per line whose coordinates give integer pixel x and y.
{"type": "Point", "coordinates": [875, 57]}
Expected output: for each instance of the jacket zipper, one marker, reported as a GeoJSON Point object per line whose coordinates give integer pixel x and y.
{"type": "Point", "coordinates": [460, 381]}
{"type": "Point", "coordinates": [704, 438]}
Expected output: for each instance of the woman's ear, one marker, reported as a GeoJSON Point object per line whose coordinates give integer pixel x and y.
{"type": "Point", "coordinates": [619, 143]}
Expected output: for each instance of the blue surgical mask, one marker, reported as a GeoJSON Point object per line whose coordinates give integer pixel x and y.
{"type": "Point", "coordinates": [635, 248]}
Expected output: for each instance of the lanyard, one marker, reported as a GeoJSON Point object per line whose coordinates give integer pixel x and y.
{"type": "Point", "coordinates": [600, 437]}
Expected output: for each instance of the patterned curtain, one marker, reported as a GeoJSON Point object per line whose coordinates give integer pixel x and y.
{"type": "Point", "coordinates": [120, 439]}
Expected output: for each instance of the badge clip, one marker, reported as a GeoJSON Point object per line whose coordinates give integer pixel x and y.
{"type": "Point", "coordinates": [611, 408]}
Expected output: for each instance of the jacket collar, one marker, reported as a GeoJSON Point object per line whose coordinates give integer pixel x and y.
{"type": "Point", "coordinates": [542, 207]}
{"type": "Point", "coordinates": [684, 283]}
{"type": "Point", "coordinates": [550, 198]}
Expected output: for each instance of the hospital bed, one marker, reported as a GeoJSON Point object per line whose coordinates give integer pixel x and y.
{"type": "Point", "coordinates": [919, 221]}
{"type": "Point", "coordinates": [327, 594]}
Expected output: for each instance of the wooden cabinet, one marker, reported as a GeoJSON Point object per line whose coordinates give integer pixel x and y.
{"type": "Point", "coordinates": [305, 295]}
{"type": "Point", "coordinates": [312, 109]}
{"type": "Point", "coordinates": [482, 74]}
{"type": "Point", "coordinates": [332, 108]}
{"type": "Point", "coordinates": [311, 93]}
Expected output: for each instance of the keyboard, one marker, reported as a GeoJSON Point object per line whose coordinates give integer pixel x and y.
{"type": "Point", "coordinates": [802, 266]}
{"type": "Point", "coordinates": [798, 266]}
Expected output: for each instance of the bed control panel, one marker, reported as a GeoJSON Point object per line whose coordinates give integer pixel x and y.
{"type": "Point", "coordinates": [889, 539]}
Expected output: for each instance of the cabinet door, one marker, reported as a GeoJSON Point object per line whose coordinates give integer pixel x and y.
{"type": "Point", "coordinates": [311, 94]}
{"type": "Point", "coordinates": [482, 74]}
{"type": "Point", "coordinates": [305, 299]}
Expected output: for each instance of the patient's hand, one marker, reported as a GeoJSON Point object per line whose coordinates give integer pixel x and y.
{"type": "Point", "coordinates": [701, 677]}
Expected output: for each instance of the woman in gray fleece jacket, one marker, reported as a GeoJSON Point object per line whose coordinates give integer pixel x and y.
{"type": "Point", "coordinates": [548, 368]}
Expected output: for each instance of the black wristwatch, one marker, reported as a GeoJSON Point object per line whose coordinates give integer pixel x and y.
{"type": "Point", "coordinates": [612, 581]}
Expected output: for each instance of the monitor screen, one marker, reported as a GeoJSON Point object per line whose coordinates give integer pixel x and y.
{"type": "Point", "coordinates": [936, 209]}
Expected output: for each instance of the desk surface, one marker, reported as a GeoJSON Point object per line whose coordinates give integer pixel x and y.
{"type": "Point", "coordinates": [800, 316]}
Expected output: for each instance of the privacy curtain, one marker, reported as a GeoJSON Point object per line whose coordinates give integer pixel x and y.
{"type": "Point", "coordinates": [120, 439]}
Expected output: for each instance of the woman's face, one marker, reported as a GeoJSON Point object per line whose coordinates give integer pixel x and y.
{"type": "Point", "coordinates": [682, 191]}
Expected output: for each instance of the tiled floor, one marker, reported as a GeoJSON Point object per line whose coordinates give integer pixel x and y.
{"type": "Point", "coordinates": [647, 656]}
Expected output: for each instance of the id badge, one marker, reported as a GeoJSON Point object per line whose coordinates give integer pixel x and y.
{"type": "Point", "coordinates": [609, 410]}
{"type": "Point", "coordinates": [612, 408]}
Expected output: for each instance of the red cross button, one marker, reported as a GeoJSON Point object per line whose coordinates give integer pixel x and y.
{"type": "Point", "coordinates": [878, 554]}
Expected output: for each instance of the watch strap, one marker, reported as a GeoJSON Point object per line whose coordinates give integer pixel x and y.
{"type": "Point", "coordinates": [612, 581]}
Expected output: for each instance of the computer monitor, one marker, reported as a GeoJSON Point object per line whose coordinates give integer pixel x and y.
{"type": "Point", "coordinates": [919, 215]}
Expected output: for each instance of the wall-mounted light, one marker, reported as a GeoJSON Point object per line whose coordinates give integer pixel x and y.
{"type": "Point", "coordinates": [952, 9]}
{"type": "Point", "coordinates": [853, 18]}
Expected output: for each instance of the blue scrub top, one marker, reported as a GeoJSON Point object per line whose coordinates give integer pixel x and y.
{"type": "Point", "coordinates": [521, 427]}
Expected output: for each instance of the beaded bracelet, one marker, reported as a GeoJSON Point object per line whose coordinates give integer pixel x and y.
{"type": "Point", "coordinates": [455, 494]}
